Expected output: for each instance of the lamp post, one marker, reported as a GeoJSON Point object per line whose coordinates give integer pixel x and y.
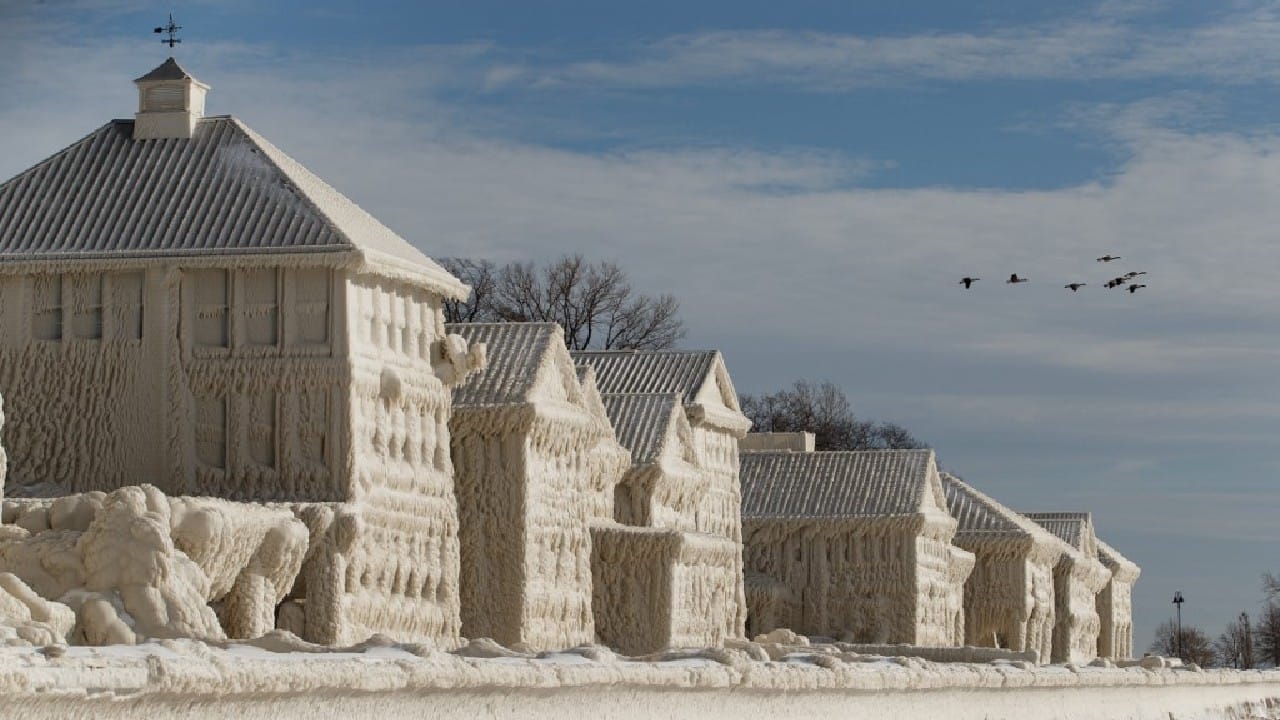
{"type": "Point", "coordinates": [1177, 602]}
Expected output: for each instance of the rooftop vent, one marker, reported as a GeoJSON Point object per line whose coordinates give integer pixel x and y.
{"type": "Point", "coordinates": [170, 103]}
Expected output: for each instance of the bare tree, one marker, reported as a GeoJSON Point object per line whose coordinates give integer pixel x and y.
{"type": "Point", "coordinates": [481, 275]}
{"type": "Point", "coordinates": [1196, 646]}
{"type": "Point", "coordinates": [824, 410]}
{"type": "Point", "coordinates": [1234, 646]}
{"type": "Point", "coordinates": [1266, 634]}
{"type": "Point", "coordinates": [594, 303]}
{"type": "Point", "coordinates": [1270, 586]}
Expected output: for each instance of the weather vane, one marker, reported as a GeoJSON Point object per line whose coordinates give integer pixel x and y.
{"type": "Point", "coordinates": [172, 30]}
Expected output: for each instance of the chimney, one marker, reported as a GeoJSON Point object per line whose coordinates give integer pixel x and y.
{"type": "Point", "coordinates": [776, 442]}
{"type": "Point", "coordinates": [170, 103]}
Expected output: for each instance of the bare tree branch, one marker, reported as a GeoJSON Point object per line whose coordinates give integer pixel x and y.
{"type": "Point", "coordinates": [594, 303]}
{"type": "Point", "coordinates": [481, 276]}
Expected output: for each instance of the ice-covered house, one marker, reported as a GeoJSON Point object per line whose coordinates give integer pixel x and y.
{"type": "Point", "coordinates": [710, 403]}
{"type": "Point", "coordinates": [532, 451]}
{"type": "Point", "coordinates": [607, 453]}
{"type": "Point", "coordinates": [1008, 599]}
{"type": "Point", "coordinates": [852, 545]}
{"type": "Point", "coordinates": [1077, 579]}
{"type": "Point", "coordinates": [1115, 604]}
{"type": "Point", "coordinates": [660, 581]}
{"type": "Point", "coordinates": [183, 304]}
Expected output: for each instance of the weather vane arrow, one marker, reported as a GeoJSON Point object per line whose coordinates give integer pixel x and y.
{"type": "Point", "coordinates": [172, 30]}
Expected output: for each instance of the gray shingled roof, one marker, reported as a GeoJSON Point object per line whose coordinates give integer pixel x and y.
{"type": "Point", "coordinates": [650, 371]}
{"type": "Point", "coordinates": [834, 484]}
{"type": "Point", "coordinates": [1068, 526]}
{"type": "Point", "coordinates": [641, 421]}
{"type": "Point", "coordinates": [226, 190]}
{"type": "Point", "coordinates": [514, 350]}
{"type": "Point", "coordinates": [979, 515]}
{"type": "Point", "coordinates": [167, 70]}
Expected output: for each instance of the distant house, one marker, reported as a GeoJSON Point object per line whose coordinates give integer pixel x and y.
{"type": "Point", "coordinates": [662, 582]}
{"type": "Point", "coordinates": [607, 454]}
{"type": "Point", "coordinates": [710, 403]}
{"type": "Point", "coordinates": [852, 545]}
{"type": "Point", "coordinates": [1077, 579]}
{"type": "Point", "coordinates": [529, 462]}
{"type": "Point", "coordinates": [1115, 604]}
{"type": "Point", "coordinates": [1009, 599]}
{"type": "Point", "coordinates": [183, 304]}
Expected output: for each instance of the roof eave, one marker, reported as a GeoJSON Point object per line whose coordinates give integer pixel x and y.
{"type": "Point", "coordinates": [380, 263]}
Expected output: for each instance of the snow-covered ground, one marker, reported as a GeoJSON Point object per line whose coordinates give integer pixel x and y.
{"type": "Point", "coordinates": [279, 678]}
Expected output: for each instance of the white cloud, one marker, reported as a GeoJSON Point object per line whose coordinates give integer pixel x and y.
{"type": "Point", "coordinates": [1111, 42]}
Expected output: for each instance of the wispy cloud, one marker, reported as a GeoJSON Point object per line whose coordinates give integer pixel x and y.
{"type": "Point", "coordinates": [1112, 42]}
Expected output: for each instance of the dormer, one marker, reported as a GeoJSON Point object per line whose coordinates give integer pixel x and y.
{"type": "Point", "coordinates": [170, 103]}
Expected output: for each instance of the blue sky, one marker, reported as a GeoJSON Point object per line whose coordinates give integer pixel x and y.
{"type": "Point", "coordinates": [811, 179]}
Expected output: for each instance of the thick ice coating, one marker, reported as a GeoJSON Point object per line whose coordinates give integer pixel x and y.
{"type": "Point", "coordinates": [134, 564]}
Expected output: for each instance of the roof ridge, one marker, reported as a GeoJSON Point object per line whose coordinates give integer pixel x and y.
{"type": "Point", "coordinates": [170, 69]}
{"type": "Point", "coordinates": [295, 172]}
{"type": "Point", "coordinates": [992, 506]}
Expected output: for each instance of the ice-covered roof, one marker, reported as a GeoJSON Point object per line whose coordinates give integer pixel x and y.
{"type": "Point", "coordinates": [1071, 527]}
{"type": "Point", "coordinates": [167, 70]}
{"type": "Point", "coordinates": [835, 484]}
{"type": "Point", "coordinates": [224, 191]}
{"type": "Point", "coordinates": [650, 371]}
{"type": "Point", "coordinates": [1120, 566]}
{"type": "Point", "coordinates": [980, 515]}
{"type": "Point", "coordinates": [515, 352]}
{"type": "Point", "coordinates": [641, 422]}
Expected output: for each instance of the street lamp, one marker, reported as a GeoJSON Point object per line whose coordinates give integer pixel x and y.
{"type": "Point", "coordinates": [1177, 602]}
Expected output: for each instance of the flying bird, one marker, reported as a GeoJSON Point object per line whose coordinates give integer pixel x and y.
{"type": "Point", "coordinates": [1134, 288]}
{"type": "Point", "coordinates": [967, 282]}
{"type": "Point", "coordinates": [1014, 279]}
{"type": "Point", "coordinates": [1116, 282]}
{"type": "Point", "coordinates": [1132, 275]}
{"type": "Point", "coordinates": [1073, 287]}
{"type": "Point", "coordinates": [1108, 258]}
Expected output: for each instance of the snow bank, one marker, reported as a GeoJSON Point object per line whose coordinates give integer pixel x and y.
{"type": "Point", "coordinates": [384, 679]}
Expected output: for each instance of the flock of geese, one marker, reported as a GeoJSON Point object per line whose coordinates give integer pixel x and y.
{"type": "Point", "coordinates": [1128, 281]}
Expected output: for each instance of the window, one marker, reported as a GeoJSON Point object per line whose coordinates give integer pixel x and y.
{"type": "Point", "coordinates": [211, 431]}
{"type": "Point", "coordinates": [46, 322]}
{"type": "Point", "coordinates": [86, 319]}
{"type": "Point", "coordinates": [261, 307]}
{"type": "Point", "coordinates": [262, 428]}
{"type": "Point", "coordinates": [211, 307]}
{"type": "Point", "coordinates": [126, 305]}
{"type": "Point", "coordinates": [311, 290]}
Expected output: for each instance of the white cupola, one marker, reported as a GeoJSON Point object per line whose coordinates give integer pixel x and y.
{"type": "Point", "coordinates": [170, 103]}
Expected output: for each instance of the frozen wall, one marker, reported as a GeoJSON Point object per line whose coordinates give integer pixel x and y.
{"type": "Point", "coordinates": [1115, 604]}
{"type": "Point", "coordinates": [399, 574]}
{"type": "Point", "coordinates": [1009, 600]}
{"type": "Point", "coordinates": [1077, 582]}
{"type": "Point", "coordinates": [260, 368]}
{"type": "Point", "coordinates": [658, 588]}
{"type": "Point", "coordinates": [81, 369]}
